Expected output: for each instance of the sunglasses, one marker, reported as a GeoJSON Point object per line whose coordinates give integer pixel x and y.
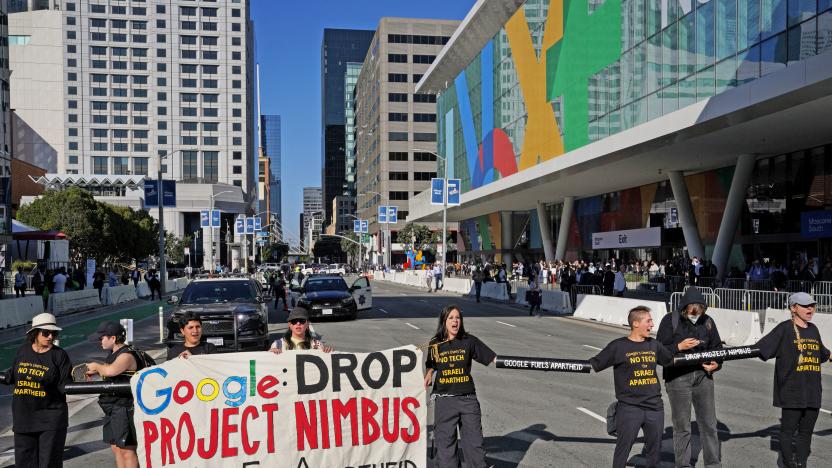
{"type": "Point", "coordinates": [48, 333]}
{"type": "Point", "coordinates": [297, 321]}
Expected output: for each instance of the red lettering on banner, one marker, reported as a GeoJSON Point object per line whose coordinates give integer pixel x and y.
{"type": "Point", "coordinates": [213, 430]}
{"type": "Point", "coordinates": [390, 435]}
{"type": "Point", "coordinates": [270, 409]}
{"type": "Point", "coordinates": [345, 410]}
{"type": "Point", "coordinates": [265, 384]}
{"type": "Point", "coordinates": [150, 436]}
{"type": "Point", "coordinates": [248, 412]}
{"type": "Point", "coordinates": [324, 412]}
{"type": "Point", "coordinates": [227, 430]}
{"type": "Point", "coordinates": [189, 392]}
{"type": "Point", "coordinates": [185, 421]}
{"type": "Point", "coordinates": [369, 427]}
{"type": "Point", "coordinates": [167, 441]}
{"type": "Point", "coordinates": [414, 421]}
{"type": "Point", "coordinates": [307, 427]}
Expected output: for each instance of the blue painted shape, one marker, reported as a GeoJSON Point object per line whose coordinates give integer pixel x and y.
{"type": "Point", "coordinates": [535, 240]}
{"type": "Point", "coordinates": [449, 143]}
{"type": "Point", "coordinates": [487, 91]}
{"type": "Point", "coordinates": [485, 171]}
{"type": "Point", "coordinates": [466, 117]}
{"type": "Point", "coordinates": [469, 225]}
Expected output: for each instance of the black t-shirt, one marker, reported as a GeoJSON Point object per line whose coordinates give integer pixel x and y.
{"type": "Point", "coordinates": [451, 362]}
{"type": "Point", "coordinates": [108, 401]}
{"type": "Point", "coordinates": [704, 330]}
{"type": "Point", "coordinates": [202, 348]}
{"type": "Point", "coordinates": [797, 381]}
{"type": "Point", "coordinates": [38, 404]}
{"type": "Point", "coordinates": [634, 370]}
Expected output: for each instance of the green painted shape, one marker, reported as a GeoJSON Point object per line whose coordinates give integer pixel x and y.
{"type": "Point", "coordinates": [78, 332]}
{"type": "Point", "coordinates": [590, 43]}
{"type": "Point", "coordinates": [485, 234]}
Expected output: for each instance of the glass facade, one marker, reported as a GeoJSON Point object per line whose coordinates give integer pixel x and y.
{"type": "Point", "coordinates": [350, 79]}
{"type": "Point", "coordinates": [270, 136]}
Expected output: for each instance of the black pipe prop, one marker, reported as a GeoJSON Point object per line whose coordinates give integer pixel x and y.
{"type": "Point", "coordinates": [543, 364]}
{"type": "Point", "coordinates": [717, 355]}
{"type": "Point", "coordinates": [100, 388]}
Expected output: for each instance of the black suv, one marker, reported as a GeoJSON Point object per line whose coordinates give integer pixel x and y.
{"type": "Point", "coordinates": [327, 296]}
{"type": "Point", "coordinates": [234, 313]}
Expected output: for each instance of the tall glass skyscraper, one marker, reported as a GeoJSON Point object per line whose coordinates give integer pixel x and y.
{"type": "Point", "coordinates": [350, 79]}
{"type": "Point", "coordinates": [270, 140]}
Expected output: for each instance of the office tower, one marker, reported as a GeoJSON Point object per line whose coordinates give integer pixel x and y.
{"type": "Point", "coordinates": [270, 141]}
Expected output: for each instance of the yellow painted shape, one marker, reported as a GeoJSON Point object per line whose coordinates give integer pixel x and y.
{"type": "Point", "coordinates": [496, 226]}
{"type": "Point", "coordinates": [648, 194]}
{"type": "Point", "coordinates": [542, 140]}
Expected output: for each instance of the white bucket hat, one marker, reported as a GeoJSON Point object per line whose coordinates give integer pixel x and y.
{"type": "Point", "coordinates": [44, 322]}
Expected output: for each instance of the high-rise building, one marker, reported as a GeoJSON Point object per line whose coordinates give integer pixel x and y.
{"type": "Point", "coordinates": [312, 203]}
{"type": "Point", "coordinates": [151, 85]}
{"type": "Point", "coordinates": [5, 146]}
{"type": "Point", "coordinates": [270, 141]}
{"type": "Point", "coordinates": [350, 79]}
{"type": "Point", "coordinates": [396, 135]}
{"type": "Point", "coordinates": [339, 47]}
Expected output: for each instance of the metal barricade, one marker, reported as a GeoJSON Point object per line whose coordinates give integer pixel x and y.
{"type": "Point", "coordinates": [761, 300]}
{"type": "Point", "coordinates": [711, 299]}
{"type": "Point", "coordinates": [799, 286]}
{"type": "Point", "coordinates": [674, 301]}
{"type": "Point", "coordinates": [822, 287]}
{"type": "Point", "coordinates": [707, 282]}
{"type": "Point", "coordinates": [671, 283]}
{"type": "Point", "coordinates": [753, 284]}
{"type": "Point", "coordinates": [635, 278]}
{"type": "Point", "coordinates": [702, 289]}
{"type": "Point", "coordinates": [587, 289]}
{"type": "Point", "coordinates": [732, 298]}
{"type": "Point", "coordinates": [824, 305]}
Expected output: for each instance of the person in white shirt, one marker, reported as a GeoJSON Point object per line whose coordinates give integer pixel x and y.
{"type": "Point", "coordinates": [59, 280]}
{"type": "Point", "coordinates": [620, 284]}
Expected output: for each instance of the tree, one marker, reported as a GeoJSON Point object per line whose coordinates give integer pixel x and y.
{"type": "Point", "coordinates": [425, 239]}
{"type": "Point", "coordinates": [175, 247]}
{"type": "Point", "coordinates": [350, 248]}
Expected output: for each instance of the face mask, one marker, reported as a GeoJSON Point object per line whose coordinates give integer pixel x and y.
{"type": "Point", "coordinates": [693, 318]}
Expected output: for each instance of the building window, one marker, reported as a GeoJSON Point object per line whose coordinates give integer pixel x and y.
{"type": "Point", "coordinates": [397, 77]}
{"type": "Point", "coordinates": [99, 165]}
{"type": "Point", "coordinates": [397, 156]}
{"type": "Point", "coordinates": [121, 165]}
{"type": "Point", "coordinates": [398, 175]}
{"type": "Point", "coordinates": [427, 98]}
{"type": "Point", "coordinates": [210, 141]}
{"type": "Point", "coordinates": [424, 175]}
{"type": "Point", "coordinates": [422, 156]}
{"type": "Point", "coordinates": [210, 168]}
{"type": "Point", "coordinates": [190, 162]}
{"type": "Point", "coordinates": [73, 159]}
{"type": "Point", "coordinates": [238, 183]}
{"type": "Point", "coordinates": [427, 59]}
{"type": "Point", "coordinates": [210, 112]}
{"type": "Point", "coordinates": [397, 97]}
{"type": "Point", "coordinates": [424, 117]}
{"type": "Point", "coordinates": [417, 77]}
{"type": "Point", "coordinates": [140, 166]}
{"type": "Point", "coordinates": [237, 155]}
{"type": "Point", "coordinates": [397, 58]}
{"type": "Point", "coordinates": [397, 136]}
{"type": "Point", "coordinates": [424, 137]}
{"type": "Point", "coordinates": [397, 117]}
{"type": "Point", "coordinates": [189, 140]}
{"type": "Point", "coordinates": [398, 195]}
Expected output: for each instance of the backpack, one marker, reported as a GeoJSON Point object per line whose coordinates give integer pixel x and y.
{"type": "Point", "coordinates": [143, 359]}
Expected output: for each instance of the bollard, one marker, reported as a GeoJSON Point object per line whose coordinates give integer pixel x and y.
{"type": "Point", "coordinates": [161, 324]}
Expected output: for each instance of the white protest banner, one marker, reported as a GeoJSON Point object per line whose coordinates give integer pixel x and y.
{"type": "Point", "coordinates": [296, 409]}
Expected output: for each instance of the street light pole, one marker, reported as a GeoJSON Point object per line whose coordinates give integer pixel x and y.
{"type": "Point", "coordinates": [360, 241]}
{"type": "Point", "coordinates": [444, 210]}
{"type": "Point", "coordinates": [211, 225]}
{"type": "Point", "coordinates": [160, 199]}
{"type": "Point", "coordinates": [388, 254]}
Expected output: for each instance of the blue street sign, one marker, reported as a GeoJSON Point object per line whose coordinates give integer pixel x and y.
{"type": "Point", "coordinates": [365, 226]}
{"type": "Point", "coordinates": [262, 233]}
{"type": "Point", "coordinates": [240, 225]}
{"type": "Point", "coordinates": [816, 224]}
{"type": "Point", "coordinates": [215, 219]}
{"type": "Point", "coordinates": [249, 225]}
{"type": "Point", "coordinates": [151, 193]}
{"type": "Point", "coordinates": [382, 214]}
{"type": "Point", "coordinates": [169, 193]}
{"type": "Point", "coordinates": [392, 214]}
{"type": "Point", "coordinates": [436, 186]}
{"type": "Point", "coordinates": [454, 192]}
{"type": "Point", "coordinates": [258, 224]}
{"type": "Point", "coordinates": [356, 226]}
{"type": "Point", "coordinates": [204, 219]}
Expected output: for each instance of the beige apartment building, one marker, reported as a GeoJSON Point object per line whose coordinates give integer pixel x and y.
{"type": "Point", "coordinates": [395, 128]}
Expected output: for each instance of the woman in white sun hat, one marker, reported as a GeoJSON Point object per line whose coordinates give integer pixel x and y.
{"type": "Point", "coordinates": [39, 410]}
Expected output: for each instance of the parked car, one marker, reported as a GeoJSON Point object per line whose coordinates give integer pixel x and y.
{"type": "Point", "coordinates": [336, 269]}
{"type": "Point", "coordinates": [234, 313]}
{"type": "Point", "coordinates": [329, 296]}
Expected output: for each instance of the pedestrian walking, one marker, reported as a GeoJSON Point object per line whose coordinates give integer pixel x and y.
{"type": "Point", "coordinates": [797, 345]}
{"type": "Point", "coordinates": [689, 329]}
{"type": "Point", "coordinates": [477, 276]}
{"type": "Point", "coordinates": [19, 283]}
{"type": "Point", "coordinates": [534, 296]}
{"type": "Point", "coordinates": [437, 275]}
{"type": "Point", "coordinates": [135, 276]}
{"type": "Point", "coordinates": [119, 365]}
{"type": "Point", "coordinates": [40, 416]}
{"type": "Point", "coordinates": [429, 278]}
{"type": "Point", "coordinates": [637, 389]}
{"type": "Point", "coordinates": [98, 282]}
{"type": "Point", "coordinates": [299, 335]}
{"type": "Point", "coordinates": [153, 283]}
{"type": "Point", "coordinates": [190, 326]}
{"type": "Point", "coordinates": [280, 292]}
{"type": "Point", "coordinates": [456, 405]}
{"type": "Point", "coordinates": [620, 284]}
{"type": "Point", "coordinates": [112, 278]}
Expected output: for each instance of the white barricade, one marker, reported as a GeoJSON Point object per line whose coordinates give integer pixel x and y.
{"type": "Point", "coordinates": [775, 316]}
{"type": "Point", "coordinates": [552, 300]}
{"type": "Point", "coordinates": [736, 327]}
{"type": "Point", "coordinates": [613, 310]}
{"type": "Point", "coordinates": [118, 294]}
{"type": "Point", "coordinates": [142, 290]}
{"type": "Point", "coordinates": [170, 285]}
{"type": "Point", "coordinates": [457, 285]}
{"type": "Point", "coordinates": [491, 290]}
{"type": "Point", "coordinates": [65, 302]}
{"type": "Point", "coordinates": [180, 283]}
{"type": "Point", "coordinates": [20, 310]}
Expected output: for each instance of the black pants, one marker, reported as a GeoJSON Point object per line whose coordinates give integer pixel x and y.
{"type": "Point", "coordinates": [462, 411]}
{"type": "Point", "coordinates": [801, 421]}
{"type": "Point", "coordinates": [629, 420]}
{"type": "Point", "coordinates": [39, 449]}
{"type": "Point", "coordinates": [281, 294]}
{"type": "Point", "coordinates": [478, 287]}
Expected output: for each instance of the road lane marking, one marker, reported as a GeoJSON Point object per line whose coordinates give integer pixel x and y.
{"type": "Point", "coordinates": [412, 326]}
{"type": "Point", "coordinates": [590, 413]}
{"type": "Point", "coordinates": [383, 311]}
{"type": "Point", "coordinates": [508, 324]}
{"type": "Point", "coordinates": [592, 347]}
{"type": "Point", "coordinates": [825, 411]}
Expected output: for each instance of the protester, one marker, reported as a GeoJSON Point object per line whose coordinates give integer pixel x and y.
{"type": "Point", "coordinates": [154, 284]}
{"type": "Point", "coordinates": [454, 391]}
{"type": "Point", "coordinates": [19, 283]}
{"type": "Point", "coordinates": [797, 345]}
{"type": "Point", "coordinates": [279, 287]}
{"type": "Point", "coordinates": [689, 329]}
{"type": "Point", "coordinates": [119, 431]}
{"type": "Point", "coordinates": [477, 277]}
{"type": "Point", "coordinates": [534, 297]}
{"type": "Point", "coordinates": [637, 389]}
{"type": "Point", "coordinates": [190, 325]}
{"type": "Point", "coordinates": [299, 335]}
{"type": "Point", "coordinates": [39, 411]}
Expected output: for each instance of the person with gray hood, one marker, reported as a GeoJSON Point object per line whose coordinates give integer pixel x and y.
{"type": "Point", "coordinates": [688, 329]}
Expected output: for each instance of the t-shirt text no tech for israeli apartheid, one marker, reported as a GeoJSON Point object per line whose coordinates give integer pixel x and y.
{"type": "Point", "coordinates": [295, 409]}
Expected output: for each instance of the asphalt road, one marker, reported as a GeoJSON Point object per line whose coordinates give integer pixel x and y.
{"type": "Point", "coordinates": [530, 419]}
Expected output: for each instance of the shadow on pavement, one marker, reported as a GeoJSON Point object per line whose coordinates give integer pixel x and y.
{"type": "Point", "coordinates": [507, 451]}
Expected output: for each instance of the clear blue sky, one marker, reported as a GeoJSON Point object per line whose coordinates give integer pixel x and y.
{"type": "Point", "coordinates": [288, 35]}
